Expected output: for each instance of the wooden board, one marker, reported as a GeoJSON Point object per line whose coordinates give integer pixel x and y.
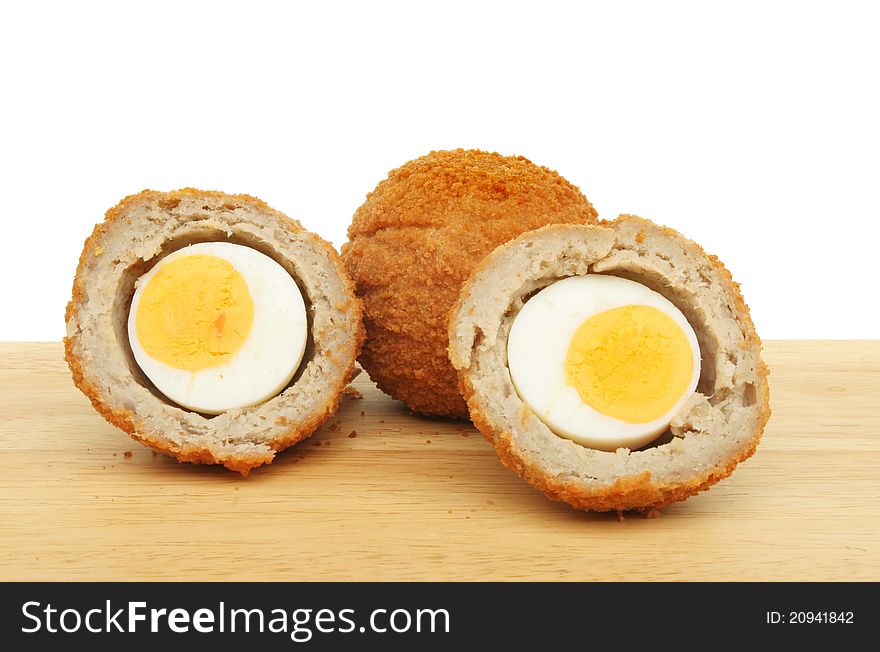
{"type": "Point", "coordinates": [410, 498]}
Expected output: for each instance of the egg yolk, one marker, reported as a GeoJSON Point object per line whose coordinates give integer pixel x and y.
{"type": "Point", "coordinates": [194, 313]}
{"type": "Point", "coordinates": [632, 363]}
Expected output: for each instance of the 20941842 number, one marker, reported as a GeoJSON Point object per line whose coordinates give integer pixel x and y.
{"type": "Point", "coordinates": [827, 617]}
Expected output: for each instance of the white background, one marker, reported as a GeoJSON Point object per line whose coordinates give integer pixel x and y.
{"type": "Point", "coordinates": [750, 127]}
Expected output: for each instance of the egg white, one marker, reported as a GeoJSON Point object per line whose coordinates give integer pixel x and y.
{"type": "Point", "coordinates": [538, 344]}
{"type": "Point", "coordinates": [268, 357]}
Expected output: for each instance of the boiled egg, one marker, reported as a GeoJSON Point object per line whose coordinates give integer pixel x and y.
{"type": "Point", "coordinates": [217, 326]}
{"type": "Point", "coordinates": [603, 360]}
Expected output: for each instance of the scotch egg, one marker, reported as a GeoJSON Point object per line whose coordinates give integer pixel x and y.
{"type": "Point", "coordinates": [210, 326]}
{"type": "Point", "coordinates": [415, 241]}
{"type": "Point", "coordinates": [576, 346]}
{"type": "Point", "coordinates": [217, 326]}
{"type": "Point", "coordinates": [602, 360]}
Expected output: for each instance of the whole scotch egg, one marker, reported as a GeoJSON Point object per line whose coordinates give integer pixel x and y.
{"type": "Point", "coordinates": [414, 242]}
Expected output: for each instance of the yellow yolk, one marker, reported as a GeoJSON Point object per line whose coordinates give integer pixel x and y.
{"type": "Point", "coordinates": [632, 363]}
{"type": "Point", "coordinates": [195, 313]}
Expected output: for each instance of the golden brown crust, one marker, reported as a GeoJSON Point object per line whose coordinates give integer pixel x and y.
{"type": "Point", "coordinates": [127, 420]}
{"type": "Point", "coordinates": [415, 241]}
{"type": "Point", "coordinates": [643, 492]}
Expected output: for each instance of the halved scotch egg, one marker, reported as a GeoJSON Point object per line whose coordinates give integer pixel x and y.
{"type": "Point", "coordinates": [211, 327]}
{"type": "Point", "coordinates": [614, 367]}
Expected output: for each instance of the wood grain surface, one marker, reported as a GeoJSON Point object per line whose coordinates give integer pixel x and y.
{"type": "Point", "coordinates": [410, 498]}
